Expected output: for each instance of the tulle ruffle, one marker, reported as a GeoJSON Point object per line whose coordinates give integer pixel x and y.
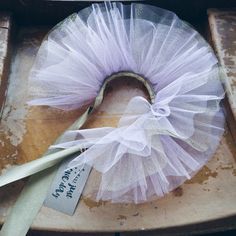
{"type": "Point", "coordinates": [82, 51]}
{"type": "Point", "coordinates": [155, 147]}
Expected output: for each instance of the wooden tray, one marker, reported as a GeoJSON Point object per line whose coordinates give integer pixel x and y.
{"type": "Point", "coordinates": [205, 202]}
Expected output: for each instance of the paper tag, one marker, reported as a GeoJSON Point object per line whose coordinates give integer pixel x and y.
{"type": "Point", "coordinates": [67, 187]}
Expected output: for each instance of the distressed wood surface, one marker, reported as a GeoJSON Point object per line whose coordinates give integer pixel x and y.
{"type": "Point", "coordinates": [25, 133]}
{"type": "Point", "coordinates": [223, 31]}
{"type": "Point", "coordinates": [5, 27]}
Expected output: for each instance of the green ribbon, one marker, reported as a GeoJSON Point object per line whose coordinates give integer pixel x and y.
{"type": "Point", "coordinates": [44, 169]}
{"type": "Point", "coordinates": [34, 193]}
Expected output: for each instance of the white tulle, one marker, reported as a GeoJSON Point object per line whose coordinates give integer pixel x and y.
{"type": "Point", "coordinates": [81, 52]}
{"type": "Point", "coordinates": [155, 147]}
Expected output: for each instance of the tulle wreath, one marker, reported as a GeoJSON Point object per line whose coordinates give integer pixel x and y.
{"type": "Point", "coordinates": [157, 145]}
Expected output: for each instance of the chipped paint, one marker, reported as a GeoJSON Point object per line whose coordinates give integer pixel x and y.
{"type": "Point", "coordinates": [203, 175]}
{"type": "Point", "coordinates": [91, 204]}
{"type": "Point", "coordinates": [223, 30]}
{"type": "Point", "coordinates": [15, 109]}
{"type": "Point", "coordinates": [15, 114]}
{"type": "Point", "coordinates": [121, 217]}
{"type": "Point", "coordinates": [234, 172]}
{"type": "Point", "coordinates": [136, 214]}
{"type": "Point", "coordinates": [178, 192]}
{"type": "Point", "coordinates": [227, 166]}
{"type": "Point", "coordinates": [4, 42]}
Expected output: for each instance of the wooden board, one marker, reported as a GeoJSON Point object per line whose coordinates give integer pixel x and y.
{"type": "Point", "coordinates": [25, 133]}
{"type": "Point", "coordinates": [5, 27]}
{"type": "Point", "coordinates": [222, 25]}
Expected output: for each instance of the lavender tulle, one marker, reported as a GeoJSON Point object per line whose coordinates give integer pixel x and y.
{"type": "Point", "coordinates": [155, 147]}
